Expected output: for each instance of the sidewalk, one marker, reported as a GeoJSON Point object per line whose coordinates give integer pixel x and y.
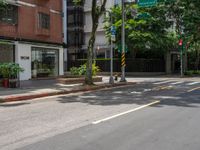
{"type": "Point", "coordinates": [42, 88]}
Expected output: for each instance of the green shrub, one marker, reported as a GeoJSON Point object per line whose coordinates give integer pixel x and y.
{"type": "Point", "coordinates": [95, 69]}
{"type": "Point", "coordinates": [188, 73]}
{"type": "Point", "coordinates": [192, 72]}
{"type": "Point", "coordinates": [10, 70]}
{"type": "Point", "coordinates": [82, 70]}
{"type": "Point", "coordinates": [5, 70]}
{"type": "Point", "coordinates": [196, 72]}
{"type": "Point", "coordinates": [74, 71]}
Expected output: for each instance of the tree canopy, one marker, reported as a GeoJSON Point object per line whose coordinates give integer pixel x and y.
{"type": "Point", "coordinates": [144, 31]}
{"type": "Point", "coordinates": [158, 27]}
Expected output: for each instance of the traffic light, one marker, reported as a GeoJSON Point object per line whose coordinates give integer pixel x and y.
{"type": "Point", "coordinates": [180, 43]}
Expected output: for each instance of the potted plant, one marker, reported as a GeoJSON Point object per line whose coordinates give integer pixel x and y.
{"type": "Point", "coordinates": [5, 72]}
{"type": "Point", "coordinates": [15, 69]}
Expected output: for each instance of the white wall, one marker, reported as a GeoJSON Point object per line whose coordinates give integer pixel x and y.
{"type": "Point", "coordinates": [24, 50]}
{"type": "Point", "coordinates": [61, 61]}
{"type": "Point", "coordinates": [100, 35]}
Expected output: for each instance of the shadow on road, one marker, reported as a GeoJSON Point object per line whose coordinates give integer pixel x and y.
{"type": "Point", "coordinates": [136, 95]}
{"type": "Point", "coordinates": [13, 104]}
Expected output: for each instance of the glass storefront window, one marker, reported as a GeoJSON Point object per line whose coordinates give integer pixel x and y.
{"type": "Point", "coordinates": [44, 62]}
{"type": "Point", "coordinates": [6, 53]}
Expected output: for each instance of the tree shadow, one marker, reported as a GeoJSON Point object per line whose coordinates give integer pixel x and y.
{"type": "Point", "coordinates": [13, 104]}
{"type": "Point", "coordinates": [136, 95]}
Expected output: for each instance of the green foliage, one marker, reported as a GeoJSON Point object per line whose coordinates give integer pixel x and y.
{"type": "Point", "coordinates": [145, 32]}
{"type": "Point", "coordinates": [15, 69]}
{"type": "Point", "coordinates": [192, 72]}
{"type": "Point", "coordinates": [2, 5]}
{"type": "Point", "coordinates": [5, 70]}
{"type": "Point", "coordinates": [10, 70]}
{"type": "Point", "coordinates": [82, 70]}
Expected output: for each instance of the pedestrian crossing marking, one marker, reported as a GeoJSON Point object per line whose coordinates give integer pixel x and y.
{"type": "Point", "coordinates": [193, 83]}
{"type": "Point", "coordinates": [177, 82]}
{"type": "Point", "coordinates": [197, 88]}
{"type": "Point", "coordinates": [162, 82]}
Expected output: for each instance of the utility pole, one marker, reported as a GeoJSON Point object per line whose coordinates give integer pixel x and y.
{"type": "Point", "coordinates": [111, 80]}
{"type": "Point", "coordinates": [123, 63]}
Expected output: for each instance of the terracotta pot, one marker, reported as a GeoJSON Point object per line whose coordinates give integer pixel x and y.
{"type": "Point", "coordinates": [6, 83]}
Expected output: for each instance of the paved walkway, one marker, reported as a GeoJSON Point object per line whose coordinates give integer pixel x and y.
{"type": "Point", "coordinates": [41, 88]}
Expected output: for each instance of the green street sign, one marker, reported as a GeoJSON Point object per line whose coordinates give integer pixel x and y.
{"type": "Point", "coordinates": [144, 15]}
{"type": "Point", "coordinates": [147, 3]}
{"type": "Point", "coordinates": [119, 48]}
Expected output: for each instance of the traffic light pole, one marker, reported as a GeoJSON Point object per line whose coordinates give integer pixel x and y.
{"type": "Point", "coordinates": [181, 63]}
{"type": "Point", "coordinates": [123, 64]}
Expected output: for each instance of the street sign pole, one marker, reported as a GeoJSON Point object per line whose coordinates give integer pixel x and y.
{"type": "Point", "coordinates": [123, 79]}
{"type": "Point", "coordinates": [113, 30]}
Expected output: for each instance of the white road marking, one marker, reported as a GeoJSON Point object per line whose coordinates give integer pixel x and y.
{"type": "Point", "coordinates": [135, 92]}
{"type": "Point", "coordinates": [126, 112]}
{"type": "Point", "coordinates": [147, 90]}
{"type": "Point", "coordinates": [177, 83]}
{"type": "Point", "coordinates": [167, 97]}
{"type": "Point", "coordinates": [193, 89]}
{"type": "Point", "coordinates": [118, 92]}
{"type": "Point", "coordinates": [193, 83]}
{"type": "Point", "coordinates": [162, 82]}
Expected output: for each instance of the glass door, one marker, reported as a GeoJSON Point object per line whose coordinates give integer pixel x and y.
{"type": "Point", "coordinates": [45, 62]}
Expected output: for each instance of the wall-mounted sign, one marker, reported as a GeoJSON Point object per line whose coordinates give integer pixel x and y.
{"type": "Point", "coordinates": [25, 57]}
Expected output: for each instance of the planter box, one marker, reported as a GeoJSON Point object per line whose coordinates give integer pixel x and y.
{"type": "Point", "coordinates": [1, 83]}
{"type": "Point", "coordinates": [77, 80]}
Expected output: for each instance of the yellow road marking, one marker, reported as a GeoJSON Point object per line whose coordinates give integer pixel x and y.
{"type": "Point", "coordinates": [126, 112]}
{"type": "Point", "coordinates": [162, 88]}
{"type": "Point", "coordinates": [193, 89]}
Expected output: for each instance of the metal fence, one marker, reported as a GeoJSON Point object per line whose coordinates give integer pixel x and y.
{"type": "Point", "coordinates": [132, 65]}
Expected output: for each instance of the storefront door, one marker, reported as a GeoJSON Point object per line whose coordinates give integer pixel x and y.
{"type": "Point", "coordinates": [44, 62]}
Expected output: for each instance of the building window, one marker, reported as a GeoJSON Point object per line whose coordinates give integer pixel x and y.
{"type": "Point", "coordinates": [6, 53]}
{"type": "Point", "coordinates": [9, 14]}
{"type": "Point", "coordinates": [44, 21]}
{"type": "Point", "coordinates": [75, 38]}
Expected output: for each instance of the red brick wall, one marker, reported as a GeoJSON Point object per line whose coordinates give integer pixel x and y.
{"type": "Point", "coordinates": [27, 27]}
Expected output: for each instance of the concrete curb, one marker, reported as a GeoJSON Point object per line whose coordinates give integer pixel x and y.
{"type": "Point", "coordinates": [76, 90]}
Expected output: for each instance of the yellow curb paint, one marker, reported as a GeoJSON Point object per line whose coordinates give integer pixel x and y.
{"type": "Point", "coordinates": [126, 112]}
{"type": "Point", "coordinates": [193, 89]}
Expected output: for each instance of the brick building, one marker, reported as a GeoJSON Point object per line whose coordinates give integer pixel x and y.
{"type": "Point", "coordinates": [31, 34]}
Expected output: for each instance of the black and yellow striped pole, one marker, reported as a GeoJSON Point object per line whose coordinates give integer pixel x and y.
{"type": "Point", "coordinates": [123, 64]}
{"type": "Point", "coordinates": [123, 60]}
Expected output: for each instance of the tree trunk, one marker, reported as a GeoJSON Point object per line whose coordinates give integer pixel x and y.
{"type": "Point", "coordinates": [96, 14]}
{"type": "Point", "coordinates": [90, 56]}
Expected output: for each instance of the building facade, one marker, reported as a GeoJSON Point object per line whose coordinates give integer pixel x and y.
{"type": "Point", "coordinates": [31, 35]}
{"type": "Point", "coordinates": [102, 46]}
{"type": "Point", "coordinates": [75, 29]}
{"type": "Point", "coordinates": [78, 29]}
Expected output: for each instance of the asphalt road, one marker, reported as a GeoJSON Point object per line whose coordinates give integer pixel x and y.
{"type": "Point", "coordinates": [156, 115]}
